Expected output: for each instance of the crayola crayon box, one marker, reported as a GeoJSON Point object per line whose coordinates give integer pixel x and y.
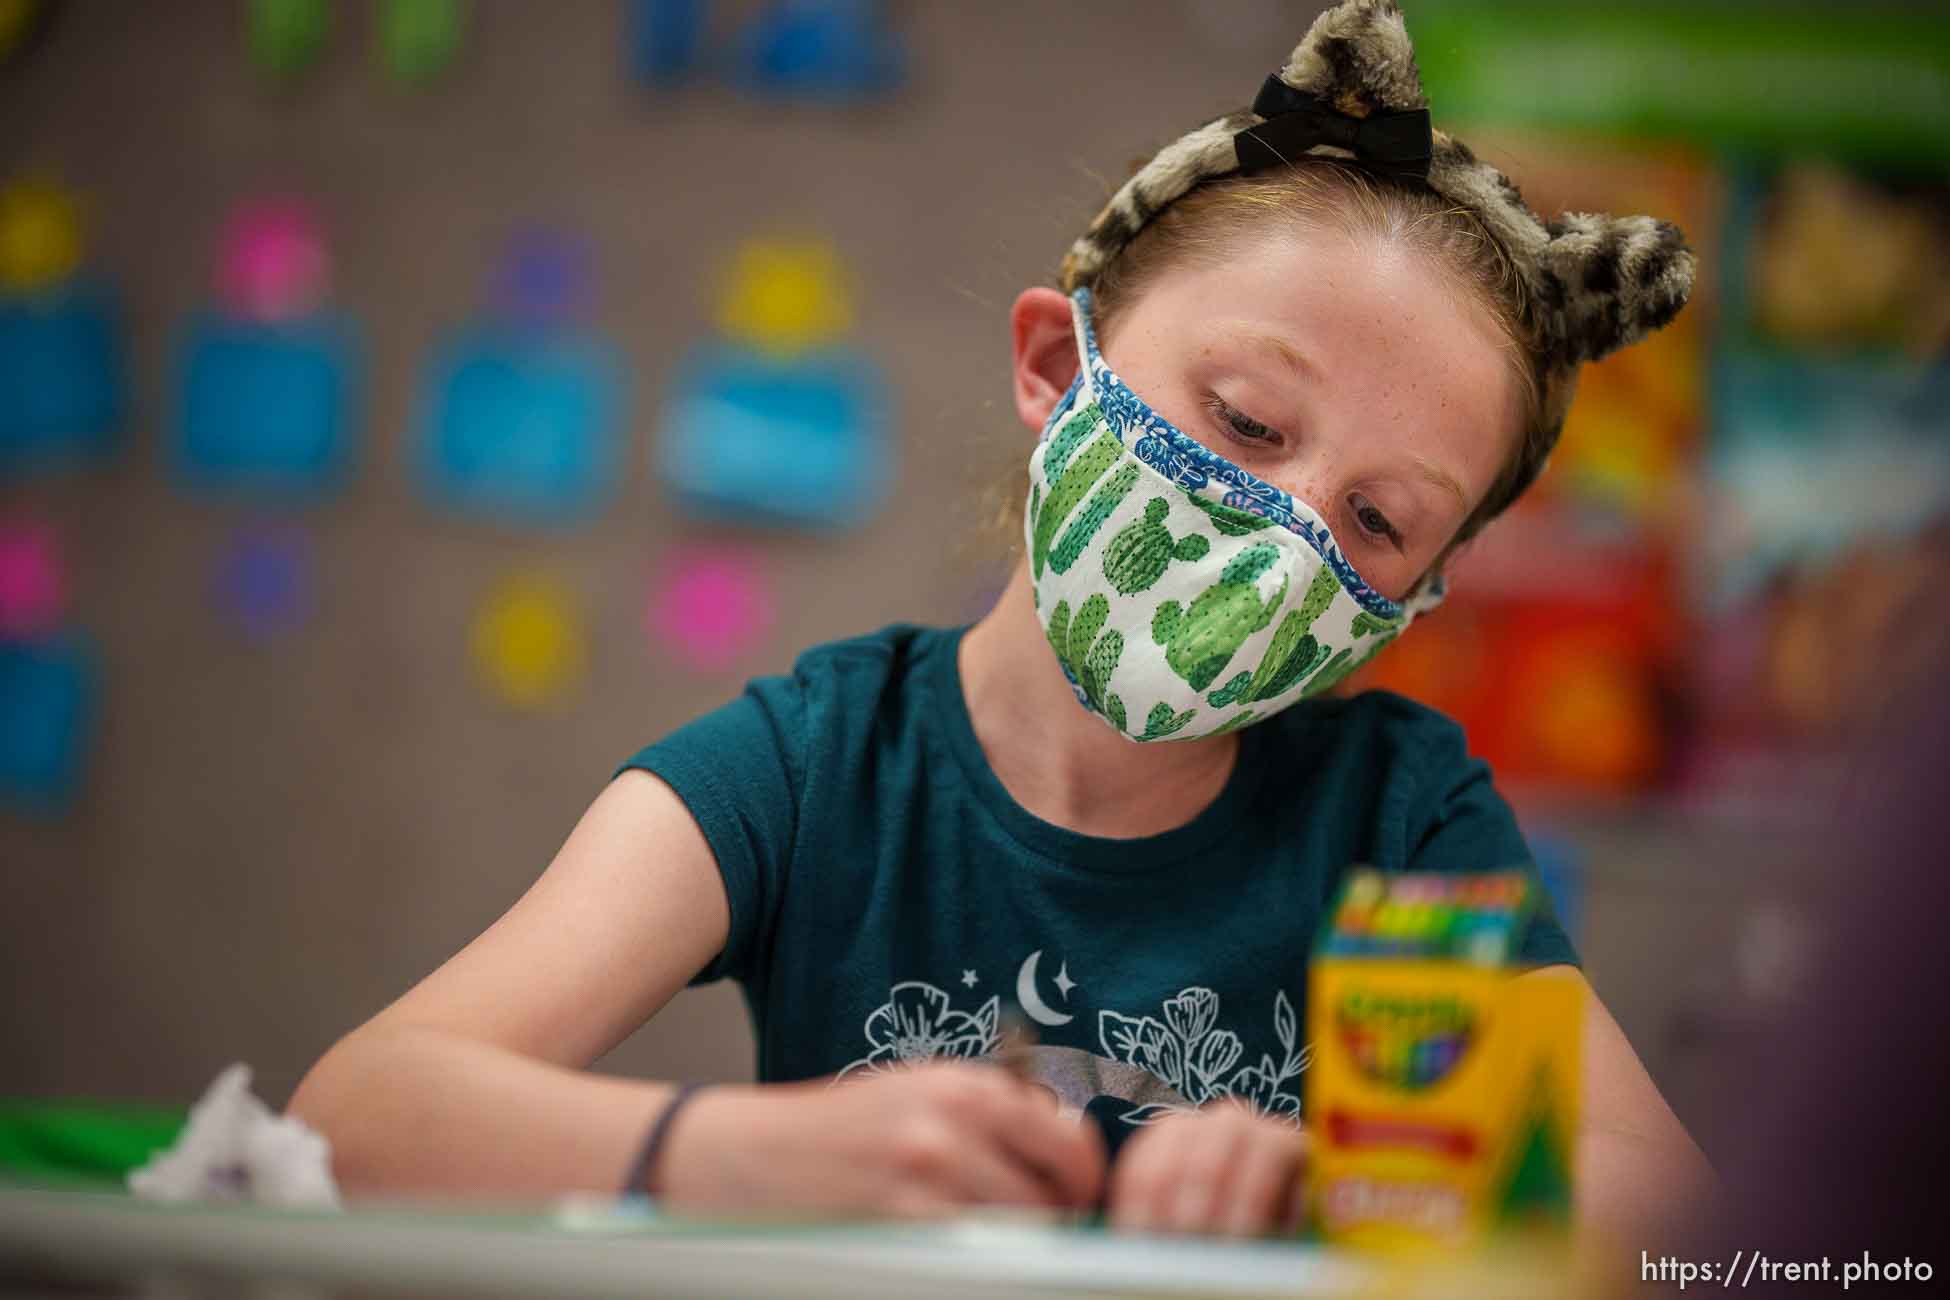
{"type": "Point", "coordinates": [1443, 1092]}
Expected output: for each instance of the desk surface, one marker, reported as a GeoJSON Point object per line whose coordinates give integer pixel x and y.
{"type": "Point", "coordinates": [73, 1235]}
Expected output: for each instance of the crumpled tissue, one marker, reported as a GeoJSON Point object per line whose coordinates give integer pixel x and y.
{"type": "Point", "coordinates": [236, 1149]}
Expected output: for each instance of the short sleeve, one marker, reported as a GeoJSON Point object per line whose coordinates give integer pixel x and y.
{"type": "Point", "coordinates": [738, 770]}
{"type": "Point", "coordinates": [1465, 825]}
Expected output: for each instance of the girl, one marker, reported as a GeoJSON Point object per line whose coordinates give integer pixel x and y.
{"type": "Point", "coordinates": [1302, 355]}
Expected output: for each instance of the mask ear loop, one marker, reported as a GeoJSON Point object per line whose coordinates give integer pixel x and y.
{"type": "Point", "coordinates": [1082, 327]}
{"type": "Point", "coordinates": [1428, 592]}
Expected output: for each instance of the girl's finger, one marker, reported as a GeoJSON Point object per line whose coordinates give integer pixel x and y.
{"type": "Point", "coordinates": [1139, 1181]}
{"type": "Point", "coordinates": [1259, 1187]}
{"type": "Point", "coordinates": [1067, 1156]}
{"type": "Point", "coordinates": [988, 1171]}
{"type": "Point", "coordinates": [1210, 1152]}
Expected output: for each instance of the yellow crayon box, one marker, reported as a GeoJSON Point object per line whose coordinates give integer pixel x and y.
{"type": "Point", "coordinates": [1443, 1092]}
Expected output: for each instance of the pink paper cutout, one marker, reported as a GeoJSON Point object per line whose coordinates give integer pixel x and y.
{"type": "Point", "coordinates": [713, 607]}
{"type": "Point", "coordinates": [33, 588]}
{"type": "Point", "coordinates": [272, 262]}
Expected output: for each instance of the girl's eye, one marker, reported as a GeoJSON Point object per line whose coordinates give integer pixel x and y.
{"type": "Point", "coordinates": [1241, 424]}
{"type": "Point", "coordinates": [1372, 521]}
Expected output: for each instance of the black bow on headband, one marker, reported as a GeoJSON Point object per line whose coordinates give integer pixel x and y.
{"type": "Point", "coordinates": [1396, 144]}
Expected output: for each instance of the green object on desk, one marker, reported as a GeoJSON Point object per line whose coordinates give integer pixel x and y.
{"type": "Point", "coordinates": [82, 1142]}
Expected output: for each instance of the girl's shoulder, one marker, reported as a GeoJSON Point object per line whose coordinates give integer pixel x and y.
{"type": "Point", "coordinates": [855, 690]}
{"type": "Point", "coordinates": [891, 649]}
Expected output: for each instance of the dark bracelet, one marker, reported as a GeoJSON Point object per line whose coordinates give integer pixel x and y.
{"type": "Point", "coordinates": [634, 1184]}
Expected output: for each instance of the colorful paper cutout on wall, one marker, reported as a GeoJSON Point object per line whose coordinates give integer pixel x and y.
{"type": "Point", "coordinates": [272, 263]}
{"type": "Point", "coordinates": [263, 581]}
{"type": "Point", "coordinates": [521, 425]}
{"type": "Point", "coordinates": [712, 606]}
{"type": "Point", "coordinates": [40, 235]}
{"type": "Point", "coordinates": [47, 710]}
{"type": "Point", "coordinates": [520, 415]}
{"type": "Point", "coordinates": [62, 367]}
{"type": "Point", "coordinates": [266, 408]}
{"type": "Point", "coordinates": [529, 645]}
{"type": "Point", "coordinates": [785, 296]}
{"type": "Point", "coordinates": [286, 36]}
{"type": "Point", "coordinates": [419, 38]}
{"type": "Point", "coordinates": [666, 39]}
{"type": "Point", "coordinates": [824, 49]}
{"type": "Point", "coordinates": [268, 387]}
{"type": "Point", "coordinates": [33, 584]}
{"type": "Point", "coordinates": [544, 279]}
{"type": "Point", "coordinates": [778, 442]}
{"type": "Point", "coordinates": [61, 355]}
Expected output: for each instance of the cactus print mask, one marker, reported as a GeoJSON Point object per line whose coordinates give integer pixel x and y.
{"type": "Point", "coordinates": [1183, 595]}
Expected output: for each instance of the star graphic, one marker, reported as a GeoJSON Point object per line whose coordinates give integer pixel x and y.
{"type": "Point", "coordinates": [968, 978]}
{"type": "Point", "coordinates": [1063, 980]}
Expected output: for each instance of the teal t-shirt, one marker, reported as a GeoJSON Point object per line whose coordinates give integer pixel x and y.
{"type": "Point", "coordinates": [891, 902]}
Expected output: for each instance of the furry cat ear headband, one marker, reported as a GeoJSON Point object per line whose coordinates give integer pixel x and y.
{"type": "Point", "coordinates": [1593, 283]}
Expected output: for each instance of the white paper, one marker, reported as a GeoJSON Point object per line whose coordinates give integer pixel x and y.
{"type": "Point", "coordinates": [236, 1149]}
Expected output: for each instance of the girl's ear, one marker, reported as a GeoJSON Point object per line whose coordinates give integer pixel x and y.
{"type": "Point", "coordinates": [1046, 360]}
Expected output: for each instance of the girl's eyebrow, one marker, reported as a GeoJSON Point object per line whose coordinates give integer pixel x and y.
{"type": "Point", "coordinates": [1281, 349]}
{"type": "Point", "coordinates": [1442, 478]}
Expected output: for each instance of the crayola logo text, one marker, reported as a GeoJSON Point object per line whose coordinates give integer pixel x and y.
{"type": "Point", "coordinates": [1405, 1041]}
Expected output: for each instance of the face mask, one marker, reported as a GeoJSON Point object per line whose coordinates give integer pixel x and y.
{"type": "Point", "coordinates": [1182, 595]}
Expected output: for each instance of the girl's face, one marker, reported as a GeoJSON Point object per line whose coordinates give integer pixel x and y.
{"type": "Point", "coordinates": [1342, 370]}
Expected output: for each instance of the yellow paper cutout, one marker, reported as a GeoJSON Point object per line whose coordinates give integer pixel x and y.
{"type": "Point", "coordinates": [530, 646]}
{"type": "Point", "coordinates": [785, 295]}
{"type": "Point", "coordinates": [40, 235]}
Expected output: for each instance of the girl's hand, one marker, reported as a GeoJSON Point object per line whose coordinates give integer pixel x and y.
{"type": "Point", "coordinates": [1225, 1170]}
{"type": "Point", "coordinates": [914, 1143]}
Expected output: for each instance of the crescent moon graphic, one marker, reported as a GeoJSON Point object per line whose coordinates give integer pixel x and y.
{"type": "Point", "coordinates": [1032, 1002]}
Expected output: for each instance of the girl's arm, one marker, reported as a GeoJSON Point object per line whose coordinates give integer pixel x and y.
{"type": "Point", "coordinates": [1635, 1159]}
{"type": "Point", "coordinates": [474, 1081]}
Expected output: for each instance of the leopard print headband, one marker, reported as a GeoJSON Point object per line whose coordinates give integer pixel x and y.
{"type": "Point", "coordinates": [1593, 283]}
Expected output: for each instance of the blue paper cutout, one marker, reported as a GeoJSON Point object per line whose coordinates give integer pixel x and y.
{"type": "Point", "coordinates": [61, 376]}
{"type": "Point", "coordinates": [47, 710]}
{"type": "Point", "coordinates": [666, 39]}
{"type": "Point", "coordinates": [522, 425]}
{"type": "Point", "coordinates": [832, 49]}
{"type": "Point", "coordinates": [266, 408]}
{"type": "Point", "coordinates": [801, 441]}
